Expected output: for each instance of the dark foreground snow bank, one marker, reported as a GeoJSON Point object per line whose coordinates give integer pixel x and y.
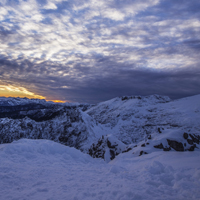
{"type": "Point", "coordinates": [42, 169]}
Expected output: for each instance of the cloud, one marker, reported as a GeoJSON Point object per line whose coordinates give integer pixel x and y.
{"type": "Point", "coordinates": [109, 79]}
{"type": "Point", "coordinates": [75, 50]}
{"type": "Point", "coordinates": [17, 91]}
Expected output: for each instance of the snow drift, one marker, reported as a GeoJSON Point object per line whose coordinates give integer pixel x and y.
{"type": "Point", "coordinates": [43, 169]}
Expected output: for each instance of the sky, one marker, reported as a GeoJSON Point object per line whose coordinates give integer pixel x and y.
{"type": "Point", "coordinates": [95, 50]}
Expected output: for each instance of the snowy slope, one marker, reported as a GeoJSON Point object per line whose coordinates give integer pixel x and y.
{"type": "Point", "coordinates": [132, 119]}
{"type": "Point", "coordinates": [41, 169]}
{"type": "Point", "coordinates": [151, 146]}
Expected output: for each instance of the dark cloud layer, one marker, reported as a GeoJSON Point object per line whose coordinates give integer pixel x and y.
{"type": "Point", "coordinates": [90, 51]}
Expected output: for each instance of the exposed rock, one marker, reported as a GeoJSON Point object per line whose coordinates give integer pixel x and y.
{"type": "Point", "coordinates": [190, 141]}
{"type": "Point", "coordinates": [192, 148]}
{"type": "Point", "coordinates": [110, 145]}
{"type": "Point", "coordinates": [107, 148]}
{"type": "Point", "coordinates": [195, 138]}
{"type": "Point", "coordinates": [159, 130]}
{"type": "Point", "coordinates": [185, 136]}
{"type": "Point", "coordinates": [124, 98]}
{"type": "Point", "coordinates": [142, 152]}
{"type": "Point", "coordinates": [143, 145]}
{"type": "Point", "coordinates": [159, 146]}
{"type": "Point", "coordinates": [112, 154]}
{"type": "Point", "coordinates": [166, 148]}
{"type": "Point", "coordinates": [149, 137]}
{"type": "Point", "coordinates": [130, 97]}
{"type": "Point", "coordinates": [127, 150]}
{"type": "Point", "coordinates": [178, 146]}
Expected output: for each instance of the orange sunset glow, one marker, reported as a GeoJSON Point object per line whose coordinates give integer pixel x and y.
{"type": "Point", "coordinates": [57, 101]}
{"type": "Point", "coordinates": [13, 91]}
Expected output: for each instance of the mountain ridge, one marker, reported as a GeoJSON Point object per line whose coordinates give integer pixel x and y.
{"type": "Point", "coordinates": [128, 119]}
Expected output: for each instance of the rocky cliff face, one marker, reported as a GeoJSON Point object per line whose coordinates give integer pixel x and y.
{"type": "Point", "coordinates": [64, 124]}
{"type": "Point", "coordinates": [107, 148]}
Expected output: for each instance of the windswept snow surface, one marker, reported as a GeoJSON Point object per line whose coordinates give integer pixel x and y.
{"type": "Point", "coordinates": [42, 169]}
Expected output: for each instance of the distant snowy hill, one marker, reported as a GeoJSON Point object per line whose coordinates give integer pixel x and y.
{"type": "Point", "coordinates": [11, 101]}
{"type": "Point", "coordinates": [16, 101]}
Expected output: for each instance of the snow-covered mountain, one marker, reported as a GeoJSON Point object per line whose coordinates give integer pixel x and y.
{"type": "Point", "coordinates": [122, 121]}
{"type": "Point", "coordinates": [132, 119]}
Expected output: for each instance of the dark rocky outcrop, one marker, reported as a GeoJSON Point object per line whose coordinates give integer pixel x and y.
{"type": "Point", "coordinates": [192, 148]}
{"type": "Point", "coordinates": [107, 148]}
{"type": "Point", "coordinates": [98, 150]}
{"type": "Point", "coordinates": [127, 150]}
{"type": "Point", "coordinates": [149, 137]}
{"type": "Point", "coordinates": [130, 97]}
{"type": "Point", "coordinates": [185, 136]}
{"type": "Point", "coordinates": [166, 148]}
{"type": "Point", "coordinates": [195, 138]}
{"type": "Point", "coordinates": [159, 146]}
{"type": "Point", "coordinates": [142, 152]}
{"type": "Point", "coordinates": [178, 146]}
{"type": "Point", "coordinates": [190, 141]}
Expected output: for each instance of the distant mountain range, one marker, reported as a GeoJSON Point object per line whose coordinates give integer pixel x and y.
{"type": "Point", "coordinates": [129, 123]}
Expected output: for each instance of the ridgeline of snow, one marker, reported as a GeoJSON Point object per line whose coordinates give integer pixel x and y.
{"type": "Point", "coordinates": [132, 119]}
{"type": "Point", "coordinates": [12, 101]}
{"type": "Point", "coordinates": [42, 169]}
{"type": "Point", "coordinates": [16, 101]}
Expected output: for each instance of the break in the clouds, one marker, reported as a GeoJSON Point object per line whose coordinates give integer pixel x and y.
{"type": "Point", "coordinates": [89, 50]}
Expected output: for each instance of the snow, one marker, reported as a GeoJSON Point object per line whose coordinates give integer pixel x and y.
{"type": "Point", "coordinates": [131, 119]}
{"type": "Point", "coordinates": [12, 101]}
{"type": "Point", "coordinates": [15, 101]}
{"type": "Point", "coordinates": [43, 169]}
